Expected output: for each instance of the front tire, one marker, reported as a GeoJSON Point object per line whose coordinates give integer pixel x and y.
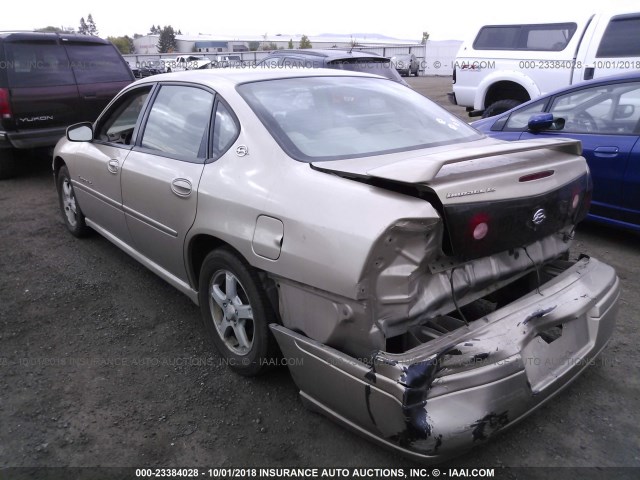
{"type": "Point", "coordinates": [71, 213]}
{"type": "Point", "coordinates": [501, 106]}
{"type": "Point", "coordinates": [237, 313]}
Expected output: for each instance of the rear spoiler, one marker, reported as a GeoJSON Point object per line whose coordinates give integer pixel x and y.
{"type": "Point", "coordinates": [426, 167]}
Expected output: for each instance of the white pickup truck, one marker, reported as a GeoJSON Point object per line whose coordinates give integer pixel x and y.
{"type": "Point", "coordinates": [186, 62]}
{"type": "Point", "coordinates": [505, 65]}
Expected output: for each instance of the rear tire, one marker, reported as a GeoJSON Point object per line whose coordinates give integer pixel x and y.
{"type": "Point", "coordinates": [237, 313]}
{"type": "Point", "coordinates": [501, 106]}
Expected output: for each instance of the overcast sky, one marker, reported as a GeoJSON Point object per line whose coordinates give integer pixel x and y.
{"type": "Point", "coordinates": [444, 19]}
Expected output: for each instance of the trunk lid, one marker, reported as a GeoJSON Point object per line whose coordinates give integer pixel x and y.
{"type": "Point", "coordinates": [493, 196]}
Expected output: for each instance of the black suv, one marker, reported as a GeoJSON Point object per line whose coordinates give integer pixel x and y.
{"type": "Point", "coordinates": [333, 58]}
{"type": "Point", "coordinates": [49, 81]}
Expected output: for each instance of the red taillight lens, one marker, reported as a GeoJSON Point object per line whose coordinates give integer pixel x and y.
{"type": "Point", "coordinates": [536, 176]}
{"type": "Point", "coordinates": [575, 201]}
{"type": "Point", "coordinates": [479, 226]}
{"type": "Point", "coordinates": [5, 106]}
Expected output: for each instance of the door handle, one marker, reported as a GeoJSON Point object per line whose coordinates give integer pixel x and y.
{"type": "Point", "coordinates": [181, 187]}
{"type": "Point", "coordinates": [113, 166]}
{"type": "Point", "coordinates": [589, 73]}
{"type": "Point", "coordinates": [606, 152]}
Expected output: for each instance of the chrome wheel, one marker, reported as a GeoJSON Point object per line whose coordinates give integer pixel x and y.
{"type": "Point", "coordinates": [231, 312]}
{"type": "Point", "coordinates": [69, 203]}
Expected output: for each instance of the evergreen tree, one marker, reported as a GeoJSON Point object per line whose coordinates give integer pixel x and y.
{"type": "Point", "coordinates": [83, 29]}
{"type": "Point", "coordinates": [91, 26]}
{"type": "Point", "coordinates": [305, 42]}
{"type": "Point", "coordinates": [167, 41]}
{"type": "Point", "coordinates": [290, 43]}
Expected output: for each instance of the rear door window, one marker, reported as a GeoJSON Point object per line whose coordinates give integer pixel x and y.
{"type": "Point", "coordinates": [178, 123]}
{"type": "Point", "coordinates": [37, 64]}
{"type": "Point", "coordinates": [97, 63]}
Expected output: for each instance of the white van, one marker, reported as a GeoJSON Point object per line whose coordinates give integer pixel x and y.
{"type": "Point", "coordinates": [505, 65]}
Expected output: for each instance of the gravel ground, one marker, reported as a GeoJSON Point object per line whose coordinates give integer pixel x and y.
{"type": "Point", "coordinates": [104, 364]}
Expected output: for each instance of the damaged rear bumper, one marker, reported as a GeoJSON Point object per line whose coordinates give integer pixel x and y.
{"type": "Point", "coordinates": [445, 396]}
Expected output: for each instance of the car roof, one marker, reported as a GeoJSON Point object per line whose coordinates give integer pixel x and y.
{"type": "Point", "coordinates": [330, 53]}
{"type": "Point", "coordinates": [219, 77]}
{"type": "Point", "coordinates": [74, 38]}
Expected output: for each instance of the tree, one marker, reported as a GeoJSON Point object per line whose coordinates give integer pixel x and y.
{"type": "Point", "coordinates": [124, 44]}
{"type": "Point", "coordinates": [425, 37]}
{"type": "Point", "coordinates": [290, 43]}
{"type": "Point", "coordinates": [253, 46]}
{"type": "Point", "coordinates": [167, 41]}
{"type": "Point", "coordinates": [50, 29]}
{"type": "Point", "coordinates": [91, 26]}
{"type": "Point", "coordinates": [83, 29]}
{"type": "Point", "coordinates": [305, 42]}
{"type": "Point", "coordinates": [270, 46]}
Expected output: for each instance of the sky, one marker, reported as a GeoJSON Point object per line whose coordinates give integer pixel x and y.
{"type": "Point", "coordinates": [444, 20]}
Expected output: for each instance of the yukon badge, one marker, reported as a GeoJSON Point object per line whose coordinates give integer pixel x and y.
{"type": "Point", "coordinates": [539, 217]}
{"type": "Point", "coordinates": [42, 118]}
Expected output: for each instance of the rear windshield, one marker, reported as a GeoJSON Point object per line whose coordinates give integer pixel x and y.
{"type": "Point", "coordinates": [331, 118]}
{"type": "Point", "coordinates": [37, 64]}
{"type": "Point", "coordinates": [552, 37]}
{"type": "Point", "coordinates": [377, 66]}
{"type": "Point", "coordinates": [96, 63]}
{"type": "Point", "coordinates": [44, 64]}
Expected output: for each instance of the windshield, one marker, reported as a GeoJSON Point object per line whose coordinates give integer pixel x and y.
{"type": "Point", "coordinates": [330, 118]}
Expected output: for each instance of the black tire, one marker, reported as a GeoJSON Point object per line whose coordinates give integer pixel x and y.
{"type": "Point", "coordinates": [501, 106]}
{"type": "Point", "coordinates": [246, 343]}
{"type": "Point", "coordinates": [8, 164]}
{"type": "Point", "coordinates": [69, 207]}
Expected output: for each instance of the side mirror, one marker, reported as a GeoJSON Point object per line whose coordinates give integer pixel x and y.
{"type": "Point", "coordinates": [624, 111]}
{"type": "Point", "coordinates": [80, 132]}
{"type": "Point", "coordinates": [540, 121]}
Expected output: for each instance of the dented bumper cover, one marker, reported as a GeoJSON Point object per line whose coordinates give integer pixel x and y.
{"type": "Point", "coordinates": [443, 397]}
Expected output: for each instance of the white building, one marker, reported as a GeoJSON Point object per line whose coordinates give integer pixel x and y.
{"type": "Point", "coordinates": [147, 45]}
{"type": "Point", "coordinates": [435, 58]}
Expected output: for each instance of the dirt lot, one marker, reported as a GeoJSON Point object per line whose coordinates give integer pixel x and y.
{"type": "Point", "coordinates": [102, 363]}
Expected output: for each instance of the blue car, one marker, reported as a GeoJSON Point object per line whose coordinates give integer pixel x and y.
{"type": "Point", "coordinates": [605, 115]}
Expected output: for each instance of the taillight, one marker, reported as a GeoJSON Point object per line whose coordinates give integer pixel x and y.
{"type": "Point", "coordinates": [5, 106]}
{"type": "Point", "coordinates": [536, 176]}
{"type": "Point", "coordinates": [479, 226]}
